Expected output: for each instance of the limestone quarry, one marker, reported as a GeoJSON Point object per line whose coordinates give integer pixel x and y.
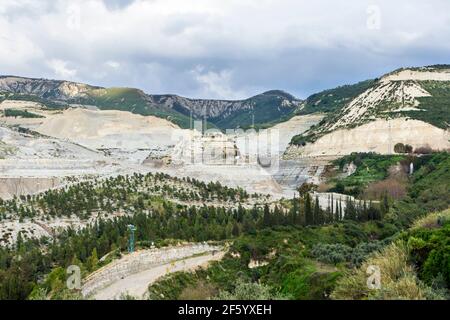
{"type": "Point", "coordinates": [62, 146]}
{"type": "Point", "coordinates": [83, 141]}
{"type": "Point", "coordinates": [109, 129]}
{"type": "Point", "coordinates": [78, 144]}
{"type": "Point", "coordinates": [377, 119]}
{"type": "Point", "coordinates": [377, 136]}
{"type": "Point", "coordinates": [422, 74]}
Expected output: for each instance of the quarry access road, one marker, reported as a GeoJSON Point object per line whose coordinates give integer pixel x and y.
{"type": "Point", "coordinates": [136, 284]}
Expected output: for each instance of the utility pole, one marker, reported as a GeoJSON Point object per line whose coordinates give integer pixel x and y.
{"type": "Point", "coordinates": [131, 229]}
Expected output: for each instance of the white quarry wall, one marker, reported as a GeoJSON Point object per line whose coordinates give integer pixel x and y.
{"type": "Point", "coordinates": [377, 136]}
{"type": "Point", "coordinates": [405, 75]}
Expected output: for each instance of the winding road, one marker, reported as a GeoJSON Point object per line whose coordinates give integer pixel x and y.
{"type": "Point", "coordinates": [136, 284]}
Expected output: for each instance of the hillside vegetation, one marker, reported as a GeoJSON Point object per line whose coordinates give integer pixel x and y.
{"type": "Point", "coordinates": [290, 250]}
{"type": "Point", "coordinates": [330, 261]}
{"type": "Point", "coordinates": [332, 100]}
{"type": "Point", "coordinates": [436, 108]}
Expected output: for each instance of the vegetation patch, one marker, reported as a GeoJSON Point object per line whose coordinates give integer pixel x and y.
{"type": "Point", "coordinates": [370, 167]}
{"type": "Point", "coordinates": [434, 109]}
{"type": "Point", "coordinates": [21, 114]}
{"type": "Point", "coordinates": [414, 267]}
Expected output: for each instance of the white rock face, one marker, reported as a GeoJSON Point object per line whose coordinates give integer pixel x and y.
{"type": "Point", "coordinates": [373, 121]}
{"type": "Point", "coordinates": [30, 164]}
{"type": "Point", "coordinates": [61, 90]}
{"type": "Point", "coordinates": [399, 97]}
{"type": "Point", "coordinates": [296, 125]}
{"type": "Point", "coordinates": [327, 201]}
{"type": "Point", "coordinates": [423, 75]}
{"type": "Point", "coordinates": [378, 136]}
{"type": "Point", "coordinates": [109, 129]}
{"type": "Point", "coordinates": [17, 146]}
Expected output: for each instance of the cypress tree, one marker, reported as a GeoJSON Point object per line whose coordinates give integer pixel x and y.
{"type": "Point", "coordinates": [309, 218]}
{"type": "Point", "coordinates": [336, 213]}
{"type": "Point", "coordinates": [266, 216]}
{"type": "Point", "coordinates": [317, 213]}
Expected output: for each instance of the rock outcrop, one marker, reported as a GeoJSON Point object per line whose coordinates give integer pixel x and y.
{"type": "Point", "coordinates": [378, 136]}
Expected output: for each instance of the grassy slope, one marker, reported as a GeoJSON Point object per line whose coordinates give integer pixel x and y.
{"type": "Point", "coordinates": [291, 271]}
{"type": "Point", "coordinates": [415, 266]}
{"type": "Point", "coordinates": [371, 168]}
{"type": "Point", "coordinates": [25, 97]}
{"type": "Point", "coordinates": [332, 100]}
{"type": "Point", "coordinates": [434, 109]}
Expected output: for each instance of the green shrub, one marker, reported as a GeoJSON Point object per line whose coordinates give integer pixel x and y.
{"type": "Point", "coordinates": [338, 253]}
{"type": "Point", "coordinates": [21, 113]}
{"type": "Point", "coordinates": [250, 291]}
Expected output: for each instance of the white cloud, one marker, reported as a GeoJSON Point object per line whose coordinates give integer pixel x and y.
{"type": "Point", "coordinates": [60, 69]}
{"type": "Point", "coordinates": [113, 64]}
{"type": "Point", "coordinates": [216, 84]}
{"type": "Point", "coordinates": [245, 46]}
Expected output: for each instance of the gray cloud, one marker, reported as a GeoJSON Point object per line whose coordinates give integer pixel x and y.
{"type": "Point", "coordinates": [220, 49]}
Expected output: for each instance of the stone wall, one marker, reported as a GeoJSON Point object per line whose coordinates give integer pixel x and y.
{"type": "Point", "coordinates": [140, 261]}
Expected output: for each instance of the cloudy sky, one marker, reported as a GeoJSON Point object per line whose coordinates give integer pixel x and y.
{"type": "Point", "coordinates": [221, 48]}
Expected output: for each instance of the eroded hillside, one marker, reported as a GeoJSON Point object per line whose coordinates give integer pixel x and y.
{"type": "Point", "coordinates": [379, 117]}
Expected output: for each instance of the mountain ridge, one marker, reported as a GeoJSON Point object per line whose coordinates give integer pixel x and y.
{"type": "Point", "coordinates": [265, 107]}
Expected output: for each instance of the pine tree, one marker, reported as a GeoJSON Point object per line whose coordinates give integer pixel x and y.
{"type": "Point", "coordinates": [278, 216]}
{"type": "Point", "coordinates": [235, 232]}
{"type": "Point", "coordinates": [266, 216]}
{"type": "Point", "coordinates": [350, 212]}
{"type": "Point", "coordinates": [92, 261]}
{"type": "Point", "coordinates": [332, 204]}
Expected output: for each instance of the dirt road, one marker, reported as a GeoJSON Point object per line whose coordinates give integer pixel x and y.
{"type": "Point", "coordinates": [136, 284]}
